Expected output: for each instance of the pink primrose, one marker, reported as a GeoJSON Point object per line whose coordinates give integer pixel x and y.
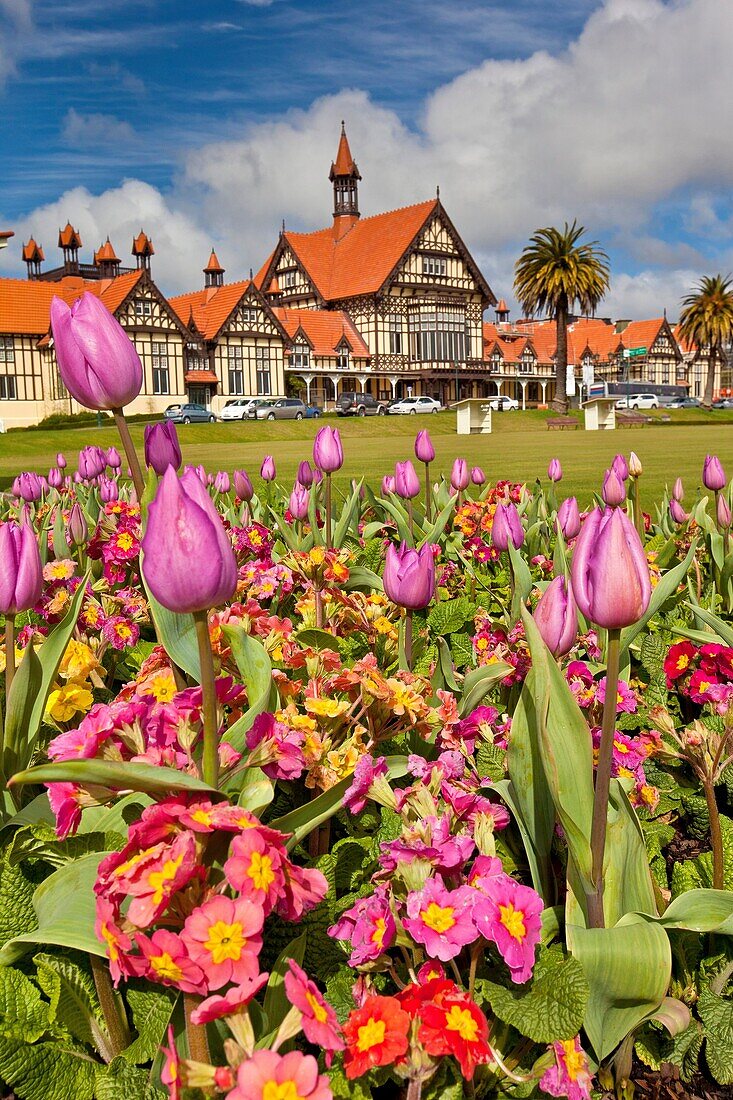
{"type": "Point", "coordinates": [570, 1076]}
{"type": "Point", "coordinates": [366, 771]}
{"type": "Point", "coordinates": [232, 1002]}
{"type": "Point", "coordinates": [440, 919]}
{"type": "Point", "coordinates": [319, 1022]}
{"type": "Point", "coordinates": [271, 1076]}
{"type": "Point", "coordinates": [224, 938]}
{"type": "Point", "coordinates": [168, 962]}
{"type": "Point", "coordinates": [508, 914]}
{"type": "Point", "coordinates": [255, 869]}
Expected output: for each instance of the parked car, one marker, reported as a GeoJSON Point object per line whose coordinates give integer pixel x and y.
{"type": "Point", "coordinates": [409, 406]}
{"type": "Point", "coordinates": [639, 401]}
{"type": "Point", "coordinates": [238, 408]}
{"type": "Point", "coordinates": [188, 414]}
{"type": "Point", "coordinates": [683, 403]}
{"type": "Point", "coordinates": [312, 412]}
{"type": "Point", "coordinates": [723, 403]}
{"type": "Point", "coordinates": [352, 403]}
{"type": "Point", "coordinates": [503, 403]}
{"type": "Point", "coordinates": [279, 408]}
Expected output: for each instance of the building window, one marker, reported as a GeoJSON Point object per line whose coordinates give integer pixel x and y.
{"type": "Point", "coordinates": [434, 265]}
{"type": "Point", "coordinates": [263, 371]}
{"type": "Point", "coordinates": [395, 335]}
{"type": "Point", "coordinates": [249, 315]}
{"type": "Point", "coordinates": [236, 369]}
{"type": "Point", "coordinates": [438, 335]}
{"type": "Point", "coordinates": [526, 364]}
{"type": "Point", "coordinates": [289, 278]}
{"type": "Point", "coordinates": [665, 374]}
{"type": "Point", "coordinates": [143, 308]}
{"type": "Point", "coordinates": [300, 357]}
{"type": "Point", "coordinates": [7, 349]}
{"type": "Point", "coordinates": [342, 359]}
{"type": "Point", "coordinates": [496, 361]}
{"type": "Point", "coordinates": [160, 368]}
{"type": "Point", "coordinates": [8, 391]}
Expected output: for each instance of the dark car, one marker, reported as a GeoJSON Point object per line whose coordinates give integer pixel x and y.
{"type": "Point", "coordinates": [352, 403]}
{"type": "Point", "coordinates": [188, 414]}
{"type": "Point", "coordinates": [682, 403]}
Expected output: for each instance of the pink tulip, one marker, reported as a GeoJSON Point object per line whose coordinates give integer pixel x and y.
{"type": "Point", "coordinates": [569, 518]}
{"type": "Point", "coordinates": [424, 449]}
{"type": "Point", "coordinates": [459, 477]}
{"type": "Point", "coordinates": [677, 512]}
{"type": "Point", "coordinates": [554, 470]}
{"type": "Point", "coordinates": [478, 477]}
{"type": "Point", "coordinates": [556, 617]}
{"type": "Point", "coordinates": [388, 485]}
{"type": "Point", "coordinates": [679, 491]}
{"type": "Point", "coordinates": [407, 483]}
{"type": "Point", "coordinates": [610, 572]}
{"type": "Point", "coordinates": [97, 360]}
{"type": "Point", "coordinates": [409, 576]}
{"type": "Point", "coordinates": [267, 470]}
{"type": "Point", "coordinates": [243, 485]}
{"type": "Point", "coordinates": [21, 572]}
{"type": "Point", "coordinates": [298, 503]}
{"type": "Point", "coordinates": [507, 526]}
{"type": "Point", "coordinates": [621, 466]}
{"type": "Point", "coordinates": [328, 454]}
{"type": "Point", "coordinates": [713, 475]}
{"type": "Point", "coordinates": [614, 490]}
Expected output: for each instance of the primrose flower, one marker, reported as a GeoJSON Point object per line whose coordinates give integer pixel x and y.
{"type": "Point", "coordinates": [375, 1034]}
{"type": "Point", "coordinates": [150, 877]}
{"type": "Point", "coordinates": [368, 926]}
{"type": "Point", "coordinates": [111, 935]}
{"type": "Point", "coordinates": [319, 1022]}
{"type": "Point", "coordinates": [232, 1002]}
{"type": "Point", "coordinates": [254, 868]}
{"type": "Point", "coordinates": [365, 773]}
{"type": "Point", "coordinates": [570, 1076]}
{"type": "Point", "coordinates": [454, 1024]}
{"type": "Point", "coordinates": [168, 961]}
{"type": "Point", "coordinates": [271, 1076]}
{"type": "Point", "coordinates": [170, 1073]}
{"type": "Point", "coordinates": [224, 938]}
{"type": "Point", "coordinates": [276, 748]}
{"type": "Point", "coordinates": [303, 889]}
{"type": "Point", "coordinates": [678, 660]}
{"type": "Point", "coordinates": [440, 919]}
{"type": "Point", "coordinates": [509, 914]}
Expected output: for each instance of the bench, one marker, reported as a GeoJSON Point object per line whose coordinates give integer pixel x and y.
{"type": "Point", "coordinates": [560, 423]}
{"type": "Point", "coordinates": [630, 420]}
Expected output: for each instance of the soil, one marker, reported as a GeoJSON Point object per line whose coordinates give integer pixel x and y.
{"type": "Point", "coordinates": [682, 847]}
{"type": "Point", "coordinates": [665, 1084]}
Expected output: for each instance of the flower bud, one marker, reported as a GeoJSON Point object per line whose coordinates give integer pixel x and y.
{"type": "Point", "coordinates": [55, 477]}
{"type": "Point", "coordinates": [569, 518]}
{"type": "Point", "coordinates": [328, 454]}
{"type": "Point", "coordinates": [113, 459]}
{"type": "Point", "coordinates": [305, 474]}
{"type": "Point", "coordinates": [614, 490]}
{"type": "Point", "coordinates": [677, 512]}
{"type": "Point", "coordinates": [424, 449]}
{"type": "Point", "coordinates": [77, 531]}
{"type": "Point", "coordinates": [61, 460]}
{"type": "Point", "coordinates": [506, 526]}
{"type": "Point", "coordinates": [478, 477]}
{"type": "Point", "coordinates": [97, 360]}
{"type": "Point", "coordinates": [554, 470]}
{"type": "Point", "coordinates": [161, 447]}
{"type": "Point", "coordinates": [678, 491]}
{"type": "Point", "coordinates": [29, 487]}
{"type": "Point", "coordinates": [21, 572]}
{"type": "Point", "coordinates": [409, 576]}
{"type": "Point", "coordinates": [221, 482]}
{"type": "Point", "coordinates": [243, 485]}
{"type": "Point", "coordinates": [610, 573]}
{"type": "Point", "coordinates": [108, 490]}
{"type": "Point", "coordinates": [723, 512]}
{"type": "Point", "coordinates": [91, 462]}
{"type": "Point", "coordinates": [298, 503]}
{"type": "Point", "coordinates": [406, 481]}
{"type": "Point", "coordinates": [621, 467]}
{"type": "Point", "coordinates": [388, 485]}
{"type": "Point", "coordinates": [557, 618]}
{"type": "Point", "coordinates": [459, 475]}
{"type": "Point", "coordinates": [188, 560]}
{"type": "Point", "coordinates": [635, 467]}
{"type": "Point", "coordinates": [713, 475]}
{"type": "Point", "coordinates": [267, 469]}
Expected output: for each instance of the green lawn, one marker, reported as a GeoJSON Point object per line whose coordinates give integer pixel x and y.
{"type": "Point", "coordinates": [519, 447]}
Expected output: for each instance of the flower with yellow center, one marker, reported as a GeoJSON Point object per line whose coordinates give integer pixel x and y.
{"type": "Point", "coordinates": [125, 540]}
{"type": "Point", "coordinates": [460, 1020]}
{"type": "Point", "coordinates": [59, 601]}
{"type": "Point", "coordinates": [162, 686]}
{"type": "Point", "coordinates": [574, 1059]}
{"type": "Point", "coordinates": [513, 921]}
{"type": "Point", "coordinates": [226, 941]}
{"type": "Point", "coordinates": [326, 708]}
{"type": "Point", "coordinates": [319, 1012]}
{"type": "Point", "coordinates": [59, 570]}
{"type": "Point", "coordinates": [438, 917]}
{"type": "Point", "coordinates": [157, 879]}
{"type": "Point", "coordinates": [281, 1090]}
{"type": "Point", "coordinates": [260, 871]}
{"type": "Point", "coordinates": [371, 1034]}
{"type": "Point", "coordinates": [378, 934]}
{"type": "Point", "coordinates": [64, 702]}
{"type": "Point", "coordinates": [382, 625]}
{"type": "Point", "coordinates": [317, 555]}
{"type": "Point", "coordinates": [78, 661]}
{"type": "Point", "coordinates": [165, 968]}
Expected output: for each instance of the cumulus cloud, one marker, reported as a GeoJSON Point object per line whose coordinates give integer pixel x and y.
{"type": "Point", "coordinates": [91, 130]}
{"type": "Point", "coordinates": [620, 122]}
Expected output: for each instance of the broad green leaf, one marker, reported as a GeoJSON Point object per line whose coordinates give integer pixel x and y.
{"type": "Point", "coordinates": [695, 911]}
{"type": "Point", "coordinates": [151, 1008]}
{"type": "Point", "coordinates": [47, 1070]}
{"type": "Point", "coordinates": [276, 1004]}
{"type": "Point", "coordinates": [318, 639]}
{"type": "Point", "coordinates": [23, 1014]}
{"type": "Point", "coordinates": [177, 634]}
{"type": "Point", "coordinates": [522, 581]}
{"type": "Point", "coordinates": [17, 914]}
{"type": "Point", "coordinates": [478, 682]}
{"type": "Point", "coordinates": [550, 1007]}
{"type": "Point", "coordinates": [363, 579]}
{"type": "Point", "coordinates": [721, 628]}
{"type": "Point", "coordinates": [717, 1016]}
{"type": "Point", "coordinates": [255, 668]}
{"type": "Point", "coordinates": [449, 616]}
{"type": "Point", "coordinates": [122, 1081]}
{"type": "Point", "coordinates": [349, 513]}
{"type": "Point", "coordinates": [73, 998]}
{"type": "Point", "coordinates": [666, 588]}
{"type": "Point", "coordinates": [148, 778]}
{"type": "Point", "coordinates": [399, 515]}
{"type": "Point", "coordinates": [254, 790]}
{"type": "Point", "coordinates": [433, 533]}
{"type": "Point", "coordinates": [627, 881]}
{"type": "Point", "coordinates": [628, 969]}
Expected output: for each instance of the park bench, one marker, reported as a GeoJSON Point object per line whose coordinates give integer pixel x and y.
{"type": "Point", "coordinates": [560, 423]}
{"type": "Point", "coordinates": [630, 420]}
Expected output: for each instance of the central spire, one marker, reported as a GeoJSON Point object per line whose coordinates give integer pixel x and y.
{"type": "Point", "coordinates": [344, 176]}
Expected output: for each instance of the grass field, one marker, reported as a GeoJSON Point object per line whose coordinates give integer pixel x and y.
{"type": "Point", "coordinates": [519, 448]}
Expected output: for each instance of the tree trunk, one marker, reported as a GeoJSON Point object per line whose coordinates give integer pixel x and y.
{"type": "Point", "coordinates": [707, 401]}
{"type": "Point", "coordinates": [560, 400]}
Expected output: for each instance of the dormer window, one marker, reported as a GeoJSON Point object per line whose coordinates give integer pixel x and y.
{"type": "Point", "coordinates": [301, 355]}
{"type": "Point", "coordinates": [434, 265]}
{"type": "Point", "coordinates": [143, 307]}
{"type": "Point", "coordinates": [288, 278]}
{"type": "Point", "coordinates": [527, 362]}
{"type": "Point", "coordinates": [342, 358]}
{"type": "Point", "coordinates": [249, 315]}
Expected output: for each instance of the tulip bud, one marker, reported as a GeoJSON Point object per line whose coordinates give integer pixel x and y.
{"type": "Point", "coordinates": [610, 573]}
{"type": "Point", "coordinates": [161, 447]}
{"type": "Point", "coordinates": [614, 490]}
{"type": "Point", "coordinates": [554, 470]}
{"type": "Point", "coordinates": [298, 503]}
{"type": "Point", "coordinates": [388, 485]}
{"type": "Point", "coordinates": [556, 617]}
{"type": "Point", "coordinates": [678, 492]}
{"type": "Point", "coordinates": [29, 487]}
{"type": "Point", "coordinates": [243, 485]}
{"type": "Point", "coordinates": [55, 478]}
{"type": "Point", "coordinates": [113, 459]}
{"type": "Point", "coordinates": [61, 460]}
{"type": "Point", "coordinates": [635, 467]}
{"type": "Point", "coordinates": [424, 449]}
{"type": "Point", "coordinates": [478, 477]}
{"type": "Point", "coordinates": [21, 572]}
{"type": "Point", "coordinates": [209, 480]}
{"type": "Point", "coordinates": [16, 487]}
{"type": "Point", "coordinates": [409, 576]}
{"type": "Point", "coordinates": [89, 464]}
{"type": "Point", "coordinates": [221, 482]}
{"type": "Point", "coordinates": [620, 466]}
{"type": "Point", "coordinates": [723, 512]}
{"type": "Point", "coordinates": [188, 560]}
{"type": "Point", "coordinates": [305, 474]}
{"type": "Point", "coordinates": [97, 360]}
{"type": "Point", "coordinates": [317, 476]}
{"type": "Point", "coordinates": [77, 531]}
{"type": "Point", "coordinates": [569, 518]}
{"type": "Point", "coordinates": [328, 454]}
{"type": "Point", "coordinates": [267, 469]}
{"type": "Point", "coordinates": [108, 490]}
{"type": "Point", "coordinates": [677, 512]}
{"type": "Point", "coordinates": [459, 475]}
{"type": "Point", "coordinates": [713, 475]}
{"type": "Point", "coordinates": [406, 481]}
{"type": "Point", "coordinates": [506, 526]}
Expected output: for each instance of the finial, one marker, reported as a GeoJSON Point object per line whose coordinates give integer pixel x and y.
{"type": "Point", "coordinates": [343, 127]}
{"type": "Point", "coordinates": [283, 226]}
{"type": "Point", "coordinates": [437, 191]}
{"type": "Point", "coordinates": [251, 275]}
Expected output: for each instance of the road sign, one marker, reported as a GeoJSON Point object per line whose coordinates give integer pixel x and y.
{"type": "Point", "coordinates": [632, 353]}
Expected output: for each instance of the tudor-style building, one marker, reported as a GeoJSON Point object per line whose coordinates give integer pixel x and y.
{"type": "Point", "coordinates": [407, 282]}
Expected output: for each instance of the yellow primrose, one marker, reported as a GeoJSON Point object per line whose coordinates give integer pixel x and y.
{"type": "Point", "coordinates": [78, 661]}
{"type": "Point", "coordinates": [162, 685]}
{"type": "Point", "coordinates": [64, 702]}
{"type": "Point", "coordinates": [326, 708]}
{"type": "Point", "coordinates": [59, 570]}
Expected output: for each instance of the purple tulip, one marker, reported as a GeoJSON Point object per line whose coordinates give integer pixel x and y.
{"type": "Point", "coordinates": [459, 475]}
{"type": "Point", "coordinates": [554, 470]}
{"type": "Point", "coordinates": [305, 474]}
{"type": "Point", "coordinates": [556, 617]}
{"type": "Point", "coordinates": [406, 481]}
{"type": "Point", "coordinates": [507, 525]}
{"type": "Point", "coordinates": [113, 459]}
{"type": "Point", "coordinates": [55, 478]}
{"type": "Point", "coordinates": [478, 477]}
{"type": "Point", "coordinates": [108, 490]}
{"type": "Point", "coordinates": [188, 561]}
{"type": "Point", "coordinates": [317, 476]}
{"type": "Point", "coordinates": [677, 512]}
{"type": "Point", "coordinates": [16, 487]}
{"type": "Point", "coordinates": [424, 449]}
{"type": "Point", "coordinates": [90, 464]}
{"type": "Point", "coordinates": [723, 512]}
{"type": "Point", "coordinates": [610, 573]}
{"type": "Point", "coordinates": [388, 485]}
{"type": "Point", "coordinates": [569, 518]}
{"type": "Point", "coordinates": [77, 531]}
{"type": "Point", "coordinates": [97, 360]}
{"type": "Point", "coordinates": [21, 572]}
{"type": "Point", "coordinates": [243, 485]}
{"type": "Point", "coordinates": [298, 503]}
{"type": "Point", "coordinates": [161, 447]}
{"type": "Point", "coordinates": [621, 466]}
{"type": "Point", "coordinates": [61, 460]}
{"type": "Point", "coordinates": [29, 487]}
{"type": "Point", "coordinates": [267, 469]}
{"type": "Point", "coordinates": [78, 479]}
{"type": "Point", "coordinates": [328, 454]}
{"type": "Point", "coordinates": [221, 482]}
{"type": "Point", "coordinates": [614, 490]}
{"type": "Point", "coordinates": [409, 576]}
{"type": "Point", "coordinates": [713, 475]}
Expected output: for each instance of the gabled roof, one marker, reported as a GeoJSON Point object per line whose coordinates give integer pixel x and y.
{"type": "Point", "coordinates": [642, 334]}
{"type": "Point", "coordinates": [68, 237]}
{"type": "Point", "coordinates": [25, 305]}
{"type": "Point", "coordinates": [324, 329]}
{"type": "Point", "coordinates": [211, 307]}
{"type": "Point", "coordinates": [32, 252]}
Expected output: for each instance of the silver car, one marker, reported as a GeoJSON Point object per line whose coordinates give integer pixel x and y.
{"type": "Point", "coordinates": [280, 408]}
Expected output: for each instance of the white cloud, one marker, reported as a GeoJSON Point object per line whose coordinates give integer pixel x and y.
{"type": "Point", "coordinates": [622, 120]}
{"type": "Point", "coordinates": [92, 130]}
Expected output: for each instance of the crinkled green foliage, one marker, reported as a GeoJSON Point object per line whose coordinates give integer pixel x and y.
{"type": "Point", "coordinates": [692, 874]}
{"type": "Point", "coordinates": [551, 1006]}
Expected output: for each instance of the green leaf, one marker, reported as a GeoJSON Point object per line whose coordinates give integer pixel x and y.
{"type": "Point", "coordinates": [122, 1081]}
{"type": "Point", "coordinates": [450, 616]}
{"type": "Point", "coordinates": [717, 1016]}
{"type": "Point", "coordinates": [46, 1071]}
{"type": "Point", "coordinates": [23, 1014]}
{"type": "Point", "coordinates": [74, 1001]}
{"type": "Point", "coordinates": [478, 683]}
{"type": "Point", "coordinates": [255, 668]}
{"type": "Point", "coordinates": [665, 589]}
{"type": "Point", "coordinates": [697, 911]}
{"type": "Point", "coordinates": [363, 580]}
{"type": "Point", "coordinates": [177, 634]}
{"type": "Point", "coordinates": [522, 581]}
{"type": "Point", "coordinates": [151, 1008]}
{"type": "Point", "coordinates": [256, 791]}
{"type": "Point", "coordinates": [317, 639]}
{"type": "Point", "coordinates": [723, 630]}
{"type": "Point", "coordinates": [17, 914]}
{"type": "Point", "coordinates": [338, 992]}
{"type": "Point", "coordinates": [551, 1007]}
{"type": "Point", "coordinates": [147, 778]}
{"type": "Point", "coordinates": [627, 881]}
{"type": "Point", "coordinates": [348, 515]}
{"type": "Point", "coordinates": [433, 533]}
{"type": "Point", "coordinates": [276, 1004]}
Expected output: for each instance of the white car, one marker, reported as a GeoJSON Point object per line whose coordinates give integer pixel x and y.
{"type": "Point", "coordinates": [238, 408]}
{"type": "Point", "coordinates": [503, 404]}
{"type": "Point", "coordinates": [407, 406]}
{"type": "Point", "coordinates": [638, 401]}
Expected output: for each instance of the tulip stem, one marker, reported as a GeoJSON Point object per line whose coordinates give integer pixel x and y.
{"type": "Point", "coordinates": [198, 1044]}
{"type": "Point", "coordinates": [9, 654]}
{"type": "Point", "coordinates": [130, 453]}
{"type": "Point", "coordinates": [411, 522]}
{"type": "Point", "coordinates": [209, 707]}
{"type": "Point", "coordinates": [428, 500]}
{"type": "Point", "coordinates": [408, 637]}
{"type": "Point", "coordinates": [638, 514]}
{"type": "Point", "coordinates": [603, 780]}
{"type": "Point", "coordinates": [329, 541]}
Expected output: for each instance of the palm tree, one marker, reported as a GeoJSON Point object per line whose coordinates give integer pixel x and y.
{"type": "Point", "coordinates": [707, 321]}
{"type": "Point", "coordinates": [554, 273]}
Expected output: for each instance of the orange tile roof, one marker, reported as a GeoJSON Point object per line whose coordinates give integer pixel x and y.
{"type": "Point", "coordinates": [200, 376]}
{"type": "Point", "coordinates": [344, 165]}
{"type": "Point", "coordinates": [209, 307]}
{"type": "Point", "coordinates": [6, 234]}
{"type": "Point", "coordinates": [213, 264]}
{"type": "Point", "coordinates": [641, 334]}
{"type": "Point", "coordinates": [68, 237]}
{"type": "Point", "coordinates": [25, 305]}
{"type": "Point", "coordinates": [324, 329]}
{"type": "Point", "coordinates": [32, 252]}
{"type": "Point", "coordinates": [106, 252]}
{"type": "Point", "coordinates": [142, 245]}
{"type": "Point", "coordinates": [595, 335]}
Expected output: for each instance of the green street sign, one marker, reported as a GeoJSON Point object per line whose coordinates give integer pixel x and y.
{"type": "Point", "coordinates": [631, 353]}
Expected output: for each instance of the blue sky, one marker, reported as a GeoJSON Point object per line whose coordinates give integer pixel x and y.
{"type": "Point", "coordinates": [212, 122]}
